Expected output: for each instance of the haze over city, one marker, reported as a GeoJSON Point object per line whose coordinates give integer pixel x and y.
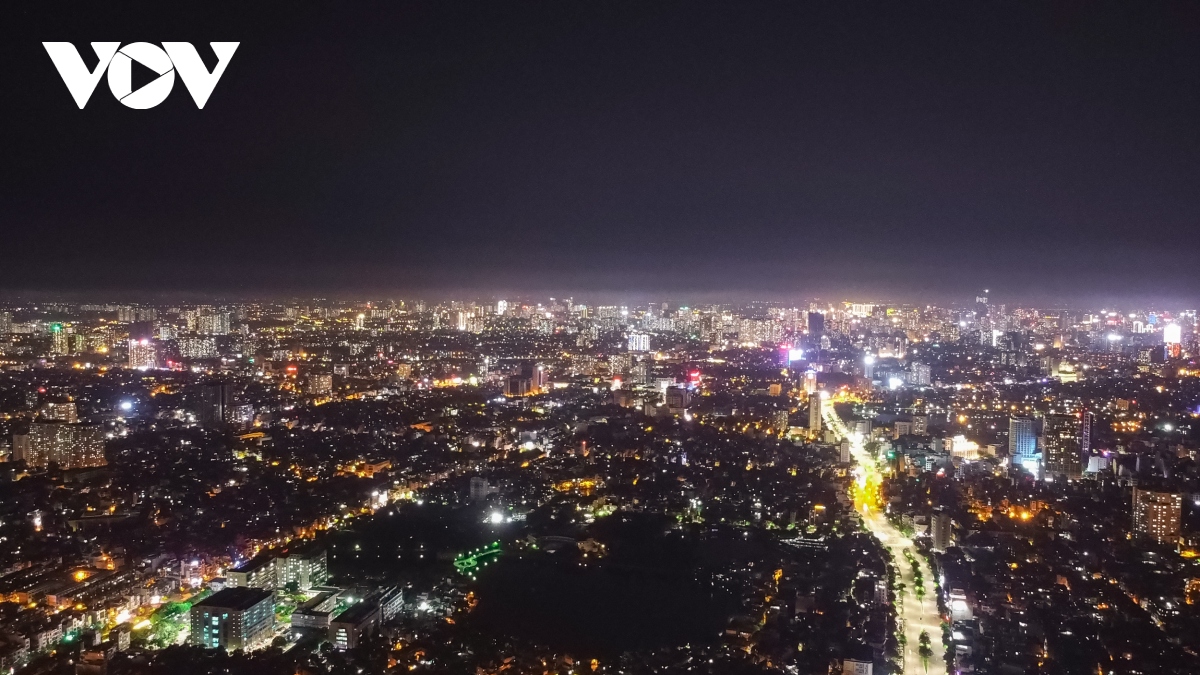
{"type": "Point", "coordinates": [903, 153]}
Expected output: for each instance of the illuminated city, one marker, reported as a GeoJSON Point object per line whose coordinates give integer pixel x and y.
{"type": "Point", "coordinates": [467, 484]}
{"type": "Point", "coordinates": [612, 338]}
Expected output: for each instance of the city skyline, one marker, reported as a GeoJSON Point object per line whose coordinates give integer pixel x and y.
{"type": "Point", "coordinates": [667, 337]}
{"type": "Point", "coordinates": [850, 487]}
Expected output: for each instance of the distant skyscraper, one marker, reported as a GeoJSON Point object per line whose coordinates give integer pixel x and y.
{"type": "Point", "coordinates": [1022, 443]}
{"type": "Point", "coordinates": [216, 402]}
{"type": "Point", "coordinates": [982, 315]}
{"type": "Point", "coordinates": [1172, 334]}
{"type": "Point", "coordinates": [320, 384]}
{"type": "Point", "coordinates": [70, 446]}
{"type": "Point", "coordinates": [213, 323]}
{"type": "Point", "coordinates": [815, 404]}
{"type": "Point", "coordinates": [919, 375]}
{"type": "Point", "coordinates": [1156, 515]}
{"type": "Point", "coordinates": [940, 530]}
{"type": "Point", "coordinates": [816, 323]}
{"type": "Point", "coordinates": [479, 489]}
{"type": "Point", "coordinates": [6, 326]}
{"type": "Point", "coordinates": [142, 354]}
{"type": "Point", "coordinates": [59, 340]}
{"type": "Point", "coordinates": [1061, 446]}
{"type": "Point", "coordinates": [810, 382]}
{"type": "Point", "coordinates": [639, 342]}
{"type": "Point", "coordinates": [1085, 433]}
{"type": "Point", "coordinates": [59, 412]}
{"type": "Point", "coordinates": [197, 347]}
{"type": "Point", "coordinates": [677, 399]}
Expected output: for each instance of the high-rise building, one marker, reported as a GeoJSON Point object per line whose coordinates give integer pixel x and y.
{"type": "Point", "coordinates": [1085, 433]}
{"type": "Point", "coordinates": [60, 341]}
{"type": "Point", "coordinates": [538, 377]}
{"type": "Point", "coordinates": [810, 382]}
{"type": "Point", "coordinates": [70, 446]}
{"type": "Point", "coordinates": [197, 347]}
{"type": "Point", "coordinates": [919, 375]}
{"type": "Point", "coordinates": [64, 411]}
{"type": "Point", "coordinates": [6, 326]}
{"type": "Point", "coordinates": [816, 323]}
{"type": "Point", "coordinates": [677, 400]}
{"type": "Point", "coordinates": [216, 402]}
{"type": "Point", "coordinates": [303, 567]}
{"type": "Point", "coordinates": [815, 403]}
{"type": "Point", "coordinates": [639, 342]}
{"type": "Point", "coordinates": [320, 384]}
{"type": "Point", "coordinates": [479, 489]}
{"type": "Point", "coordinates": [940, 530]}
{"type": "Point", "coordinates": [1061, 451]}
{"type": "Point", "coordinates": [142, 354]}
{"type": "Point", "coordinates": [1156, 515]}
{"type": "Point", "coordinates": [213, 323]}
{"type": "Point", "coordinates": [1172, 334]}
{"type": "Point", "coordinates": [1022, 443]}
{"type": "Point", "coordinates": [360, 621]}
{"type": "Point", "coordinates": [920, 425]}
{"type": "Point", "coordinates": [262, 571]}
{"type": "Point", "coordinates": [233, 618]}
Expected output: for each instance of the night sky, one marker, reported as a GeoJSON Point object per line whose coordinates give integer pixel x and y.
{"type": "Point", "coordinates": [893, 151]}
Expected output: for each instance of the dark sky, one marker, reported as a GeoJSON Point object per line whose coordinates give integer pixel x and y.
{"type": "Point", "coordinates": [892, 150]}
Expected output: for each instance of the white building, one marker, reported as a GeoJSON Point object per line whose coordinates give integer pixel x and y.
{"type": "Point", "coordinates": [142, 354]}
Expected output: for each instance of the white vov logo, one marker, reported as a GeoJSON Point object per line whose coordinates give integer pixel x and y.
{"type": "Point", "coordinates": [118, 60]}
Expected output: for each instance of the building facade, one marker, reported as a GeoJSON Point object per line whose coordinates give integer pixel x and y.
{"type": "Point", "coordinates": [234, 618]}
{"type": "Point", "coordinates": [1157, 515]}
{"type": "Point", "coordinates": [1061, 450]}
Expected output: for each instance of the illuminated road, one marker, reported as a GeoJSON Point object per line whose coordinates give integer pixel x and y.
{"type": "Point", "coordinates": [915, 615]}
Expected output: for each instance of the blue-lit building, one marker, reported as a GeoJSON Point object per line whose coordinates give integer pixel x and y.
{"type": "Point", "coordinates": [235, 618]}
{"type": "Point", "coordinates": [1022, 444]}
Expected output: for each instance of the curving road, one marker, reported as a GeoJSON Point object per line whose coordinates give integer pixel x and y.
{"type": "Point", "coordinates": [914, 615]}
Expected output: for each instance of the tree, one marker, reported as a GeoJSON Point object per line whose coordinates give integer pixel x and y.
{"type": "Point", "coordinates": [924, 650]}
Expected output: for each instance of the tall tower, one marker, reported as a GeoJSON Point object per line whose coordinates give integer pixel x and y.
{"type": "Point", "coordinates": [815, 404]}
{"type": "Point", "coordinates": [1061, 446]}
{"type": "Point", "coordinates": [59, 340]}
{"type": "Point", "coordinates": [1022, 441]}
{"type": "Point", "coordinates": [1085, 434]}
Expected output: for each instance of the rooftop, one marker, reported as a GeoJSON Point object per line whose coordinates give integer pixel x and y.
{"type": "Point", "coordinates": [236, 598]}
